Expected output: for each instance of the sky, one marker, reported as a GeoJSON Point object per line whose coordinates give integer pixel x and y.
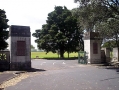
{"type": "Point", "coordinates": [32, 13]}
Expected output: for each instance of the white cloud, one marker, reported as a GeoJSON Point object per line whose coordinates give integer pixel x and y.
{"type": "Point", "coordinates": [31, 13]}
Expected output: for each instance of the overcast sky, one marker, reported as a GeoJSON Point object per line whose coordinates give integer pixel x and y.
{"type": "Point", "coordinates": [31, 13]}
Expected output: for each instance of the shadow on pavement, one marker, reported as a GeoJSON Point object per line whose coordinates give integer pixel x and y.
{"type": "Point", "coordinates": [23, 71]}
{"type": "Point", "coordinates": [110, 78]}
{"type": "Point", "coordinates": [1, 88]}
{"type": "Point", "coordinates": [112, 68]}
{"type": "Point", "coordinates": [52, 58]}
{"type": "Point", "coordinates": [108, 67]}
{"type": "Point", "coordinates": [2, 70]}
{"type": "Point", "coordinates": [35, 70]}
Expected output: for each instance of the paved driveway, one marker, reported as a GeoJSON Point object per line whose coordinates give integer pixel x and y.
{"type": "Point", "coordinates": [68, 75]}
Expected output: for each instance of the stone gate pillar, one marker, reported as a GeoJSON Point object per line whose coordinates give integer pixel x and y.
{"type": "Point", "coordinates": [92, 46]}
{"type": "Point", "coordinates": [107, 54]}
{"type": "Point", "coordinates": [115, 54]}
{"type": "Point", "coordinates": [20, 47]}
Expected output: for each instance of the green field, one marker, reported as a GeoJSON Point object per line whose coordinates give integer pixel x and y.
{"type": "Point", "coordinates": [51, 55]}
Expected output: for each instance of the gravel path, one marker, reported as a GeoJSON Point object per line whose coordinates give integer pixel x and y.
{"type": "Point", "coordinates": [13, 81]}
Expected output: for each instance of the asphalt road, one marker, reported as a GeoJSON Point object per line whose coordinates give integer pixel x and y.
{"type": "Point", "coordinates": [68, 75]}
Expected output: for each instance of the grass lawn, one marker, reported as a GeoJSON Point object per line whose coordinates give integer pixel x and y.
{"type": "Point", "coordinates": [51, 55]}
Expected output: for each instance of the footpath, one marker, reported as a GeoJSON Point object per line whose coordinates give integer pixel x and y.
{"type": "Point", "coordinates": [7, 75]}
{"type": "Point", "coordinates": [4, 76]}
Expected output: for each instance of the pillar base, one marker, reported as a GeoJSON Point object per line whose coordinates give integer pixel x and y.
{"type": "Point", "coordinates": [20, 65]}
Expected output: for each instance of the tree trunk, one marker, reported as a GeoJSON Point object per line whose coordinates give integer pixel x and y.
{"type": "Point", "coordinates": [68, 54]}
{"type": "Point", "coordinates": [58, 55]}
{"type": "Point", "coordinates": [61, 53]}
{"type": "Point", "coordinates": [117, 44]}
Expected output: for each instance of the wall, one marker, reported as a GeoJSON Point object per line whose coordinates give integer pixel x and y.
{"type": "Point", "coordinates": [87, 49]}
{"type": "Point", "coordinates": [115, 54]}
{"type": "Point", "coordinates": [107, 54]}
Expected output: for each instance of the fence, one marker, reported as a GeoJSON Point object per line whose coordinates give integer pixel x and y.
{"type": "Point", "coordinates": [4, 60]}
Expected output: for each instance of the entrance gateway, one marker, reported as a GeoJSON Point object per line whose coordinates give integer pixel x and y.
{"type": "Point", "coordinates": [20, 46]}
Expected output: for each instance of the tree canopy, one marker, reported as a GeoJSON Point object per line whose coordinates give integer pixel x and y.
{"type": "Point", "coordinates": [60, 33]}
{"type": "Point", "coordinates": [3, 32]}
{"type": "Point", "coordinates": [32, 47]}
{"type": "Point", "coordinates": [101, 16]}
{"type": "Point", "coordinates": [110, 44]}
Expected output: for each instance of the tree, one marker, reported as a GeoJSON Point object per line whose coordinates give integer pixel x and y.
{"type": "Point", "coordinates": [91, 14]}
{"type": "Point", "coordinates": [110, 44]}
{"type": "Point", "coordinates": [3, 32]}
{"type": "Point", "coordinates": [32, 47]}
{"type": "Point", "coordinates": [60, 33]}
{"type": "Point", "coordinates": [101, 16]}
{"type": "Point", "coordinates": [109, 30]}
{"type": "Point", "coordinates": [112, 4]}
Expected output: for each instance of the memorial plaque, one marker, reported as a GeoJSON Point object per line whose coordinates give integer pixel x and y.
{"type": "Point", "coordinates": [21, 48]}
{"type": "Point", "coordinates": [95, 48]}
